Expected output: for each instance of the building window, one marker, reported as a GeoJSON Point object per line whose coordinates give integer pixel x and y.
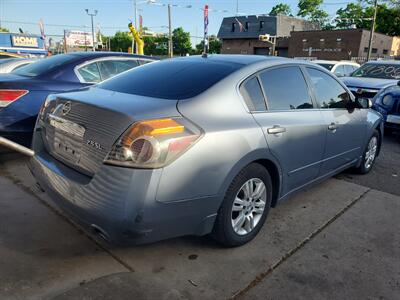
{"type": "Point", "coordinates": [365, 49]}
{"type": "Point", "coordinates": [374, 50]}
{"type": "Point", "coordinates": [246, 26]}
{"type": "Point", "coordinates": [385, 51]}
{"type": "Point", "coordinates": [261, 25]}
{"type": "Point", "coordinates": [233, 27]}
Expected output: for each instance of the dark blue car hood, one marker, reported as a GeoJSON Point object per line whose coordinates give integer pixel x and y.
{"type": "Point", "coordinates": [370, 83]}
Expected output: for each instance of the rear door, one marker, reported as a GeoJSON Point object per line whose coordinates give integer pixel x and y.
{"type": "Point", "coordinates": [345, 128]}
{"type": "Point", "coordinates": [294, 130]}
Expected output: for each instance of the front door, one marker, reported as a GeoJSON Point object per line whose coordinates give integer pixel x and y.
{"type": "Point", "coordinates": [345, 129]}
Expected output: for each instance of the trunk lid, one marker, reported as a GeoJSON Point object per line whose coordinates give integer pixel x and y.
{"type": "Point", "coordinates": [80, 128]}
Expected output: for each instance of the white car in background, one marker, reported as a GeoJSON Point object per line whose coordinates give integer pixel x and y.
{"type": "Point", "coordinates": [8, 65]}
{"type": "Point", "coordinates": [339, 68]}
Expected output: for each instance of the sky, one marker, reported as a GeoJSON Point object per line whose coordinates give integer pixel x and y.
{"type": "Point", "coordinates": [114, 15]}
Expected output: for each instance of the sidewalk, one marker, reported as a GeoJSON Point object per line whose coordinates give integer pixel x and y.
{"type": "Point", "coordinates": [338, 239]}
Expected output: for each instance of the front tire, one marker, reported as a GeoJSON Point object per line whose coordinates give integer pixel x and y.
{"type": "Point", "coordinates": [370, 153]}
{"type": "Point", "coordinates": [245, 207]}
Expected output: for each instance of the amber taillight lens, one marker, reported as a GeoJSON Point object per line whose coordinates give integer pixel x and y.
{"type": "Point", "coordinates": [153, 143]}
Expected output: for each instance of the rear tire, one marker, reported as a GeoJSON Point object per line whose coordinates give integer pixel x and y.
{"type": "Point", "coordinates": [370, 152]}
{"type": "Point", "coordinates": [245, 207]}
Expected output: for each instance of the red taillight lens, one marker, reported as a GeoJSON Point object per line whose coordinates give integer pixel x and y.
{"type": "Point", "coordinates": [9, 96]}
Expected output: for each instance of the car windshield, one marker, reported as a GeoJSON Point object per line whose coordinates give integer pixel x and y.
{"type": "Point", "coordinates": [383, 71]}
{"type": "Point", "coordinates": [44, 65]}
{"type": "Point", "coordinates": [171, 79]}
{"type": "Point", "coordinates": [326, 66]}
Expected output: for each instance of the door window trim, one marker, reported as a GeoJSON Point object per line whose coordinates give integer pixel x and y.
{"type": "Point", "coordinates": [257, 73]}
{"type": "Point", "coordinates": [313, 90]}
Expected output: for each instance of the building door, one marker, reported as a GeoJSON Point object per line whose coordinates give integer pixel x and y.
{"type": "Point", "coordinates": [261, 50]}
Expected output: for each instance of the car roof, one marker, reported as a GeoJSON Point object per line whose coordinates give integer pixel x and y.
{"type": "Point", "coordinates": [93, 55]}
{"type": "Point", "coordinates": [384, 62]}
{"type": "Point", "coordinates": [233, 58]}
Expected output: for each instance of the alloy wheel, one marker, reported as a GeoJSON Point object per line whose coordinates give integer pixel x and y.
{"type": "Point", "coordinates": [370, 154]}
{"type": "Point", "coordinates": [248, 206]}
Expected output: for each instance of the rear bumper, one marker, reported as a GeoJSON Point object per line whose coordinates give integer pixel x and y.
{"type": "Point", "coordinates": [121, 202]}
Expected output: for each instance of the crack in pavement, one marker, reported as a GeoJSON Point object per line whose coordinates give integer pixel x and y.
{"type": "Point", "coordinates": [32, 192]}
{"type": "Point", "coordinates": [260, 277]}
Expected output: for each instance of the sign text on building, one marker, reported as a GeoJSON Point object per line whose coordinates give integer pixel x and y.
{"type": "Point", "coordinates": [24, 41]}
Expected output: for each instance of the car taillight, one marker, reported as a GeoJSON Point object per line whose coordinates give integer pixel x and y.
{"type": "Point", "coordinates": [153, 143]}
{"type": "Point", "coordinates": [9, 96]}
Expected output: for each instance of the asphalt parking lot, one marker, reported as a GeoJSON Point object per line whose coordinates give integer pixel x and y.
{"type": "Point", "coordinates": [337, 240]}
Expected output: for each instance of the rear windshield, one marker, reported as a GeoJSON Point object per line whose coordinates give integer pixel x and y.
{"type": "Point", "coordinates": [383, 71]}
{"type": "Point", "coordinates": [44, 65]}
{"type": "Point", "coordinates": [171, 79]}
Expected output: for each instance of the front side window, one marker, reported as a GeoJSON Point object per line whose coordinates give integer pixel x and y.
{"type": "Point", "coordinates": [90, 73]}
{"type": "Point", "coordinates": [285, 89]}
{"type": "Point", "coordinates": [329, 93]}
{"type": "Point", "coordinates": [253, 95]}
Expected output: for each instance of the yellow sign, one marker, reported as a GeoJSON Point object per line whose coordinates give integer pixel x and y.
{"type": "Point", "coordinates": [24, 41]}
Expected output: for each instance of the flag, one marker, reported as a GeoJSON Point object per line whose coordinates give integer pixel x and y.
{"type": "Point", "coordinates": [205, 29]}
{"type": "Point", "coordinates": [240, 25]}
{"type": "Point", "coordinates": [42, 34]}
{"type": "Point", "coordinates": [140, 24]}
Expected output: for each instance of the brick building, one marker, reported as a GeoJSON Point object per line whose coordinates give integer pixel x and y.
{"type": "Point", "coordinates": [341, 44]}
{"type": "Point", "coordinates": [241, 34]}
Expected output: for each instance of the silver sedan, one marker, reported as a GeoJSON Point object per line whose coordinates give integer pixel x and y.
{"type": "Point", "coordinates": [198, 145]}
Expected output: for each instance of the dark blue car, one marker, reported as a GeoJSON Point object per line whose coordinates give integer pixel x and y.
{"type": "Point", "coordinates": [23, 91]}
{"type": "Point", "coordinates": [371, 77]}
{"type": "Point", "coordinates": [387, 102]}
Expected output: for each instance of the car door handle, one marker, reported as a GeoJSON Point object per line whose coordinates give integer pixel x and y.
{"type": "Point", "coordinates": [332, 126]}
{"type": "Point", "coordinates": [276, 129]}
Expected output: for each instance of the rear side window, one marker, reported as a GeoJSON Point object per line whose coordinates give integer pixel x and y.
{"type": "Point", "coordinates": [253, 95]}
{"type": "Point", "coordinates": [285, 89]}
{"type": "Point", "coordinates": [110, 68]}
{"type": "Point", "coordinates": [329, 93]}
{"type": "Point", "coordinates": [172, 78]}
{"type": "Point", "coordinates": [90, 73]}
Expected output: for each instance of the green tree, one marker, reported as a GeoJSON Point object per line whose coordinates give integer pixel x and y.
{"type": "Point", "coordinates": [356, 15]}
{"type": "Point", "coordinates": [281, 9]}
{"type": "Point", "coordinates": [121, 41]}
{"type": "Point", "coordinates": [351, 16]}
{"type": "Point", "coordinates": [156, 45]}
{"type": "Point", "coordinates": [181, 41]}
{"type": "Point", "coordinates": [214, 46]}
{"type": "Point", "coordinates": [311, 9]}
{"type": "Point", "coordinates": [2, 29]}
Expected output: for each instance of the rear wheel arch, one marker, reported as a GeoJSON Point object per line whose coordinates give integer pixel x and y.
{"type": "Point", "coordinates": [268, 163]}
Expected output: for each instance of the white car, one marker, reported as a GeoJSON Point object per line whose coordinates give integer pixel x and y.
{"type": "Point", "coordinates": [8, 65]}
{"type": "Point", "coordinates": [339, 68]}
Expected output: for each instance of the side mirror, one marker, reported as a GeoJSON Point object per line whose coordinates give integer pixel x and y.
{"type": "Point", "coordinates": [364, 102]}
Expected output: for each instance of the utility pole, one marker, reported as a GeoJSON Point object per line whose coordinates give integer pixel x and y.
{"type": "Point", "coordinates": [91, 17]}
{"type": "Point", "coordinates": [371, 34]}
{"type": "Point", "coordinates": [237, 7]}
{"type": "Point", "coordinates": [134, 45]}
{"type": "Point", "coordinates": [170, 44]}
